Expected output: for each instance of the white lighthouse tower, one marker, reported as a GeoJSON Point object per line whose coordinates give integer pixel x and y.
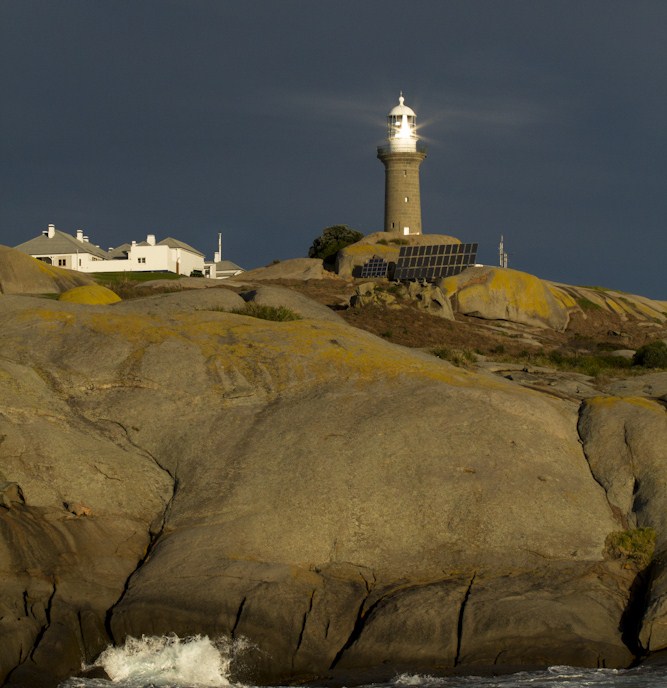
{"type": "Point", "coordinates": [402, 154]}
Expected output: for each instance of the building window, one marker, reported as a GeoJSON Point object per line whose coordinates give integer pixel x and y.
{"type": "Point", "coordinates": [141, 260]}
{"type": "Point", "coordinates": [62, 262]}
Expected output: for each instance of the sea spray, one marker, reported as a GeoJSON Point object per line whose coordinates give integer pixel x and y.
{"type": "Point", "coordinates": [170, 661]}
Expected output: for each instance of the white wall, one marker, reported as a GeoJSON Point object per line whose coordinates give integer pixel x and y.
{"type": "Point", "coordinates": [151, 258]}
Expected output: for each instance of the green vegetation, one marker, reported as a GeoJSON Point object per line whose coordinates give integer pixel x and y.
{"type": "Point", "coordinates": [114, 277]}
{"type": "Point", "coordinates": [651, 355]}
{"type": "Point", "coordinates": [332, 240]}
{"type": "Point", "coordinates": [462, 358]}
{"type": "Point", "coordinates": [587, 305]}
{"type": "Point", "coordinates": [588, 364]}
{"type": "Point", "coordinates": [593, 364]}
{"type": "Point", "coordinates": [126, 284]}
{"type": "Point", "coordinates": [277, 313]}
{"type": "Point", "coordinates": [636, 546]}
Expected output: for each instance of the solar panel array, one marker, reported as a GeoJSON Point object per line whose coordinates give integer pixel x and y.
{"type": "Point", "coordinates": [433, 262]}
{"type": "Point", "coordinates": [375, 267]}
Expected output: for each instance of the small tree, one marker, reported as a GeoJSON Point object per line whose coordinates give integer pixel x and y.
{"type": "Point", "coordinates": [332, 240]}
{"type": "Point", "coordinates": [652, 355]}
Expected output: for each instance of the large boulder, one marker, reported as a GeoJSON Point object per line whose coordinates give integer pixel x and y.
{"type": "Point", "coordinates": [277, 297]}
{"type": "Point", "coordinates": [295, 268]}
{"type": "Point", "coordinates": [92, 294]}
{"type": "Point", "coordinates": [621, 304]}
{"type": "Point", "coordinates": [302, 484]}
{"type": "Point", "coordinates": [23, 274]}
{"type": "Point", "coordinates": [504, 294]}
{"type": "Point", "coordinates": [625, 439]}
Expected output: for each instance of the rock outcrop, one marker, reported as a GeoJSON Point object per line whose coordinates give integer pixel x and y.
{"type": "Point", "coordinates": [424, 296]}
{"type": "Point", "coordinates": [344, 503]}
{"type": "Point", "coordinates": [504, 294]}
{"type": "Point", "coordinates": [295, 268]}
{"type": "Point", "coordinates": [23, 274]}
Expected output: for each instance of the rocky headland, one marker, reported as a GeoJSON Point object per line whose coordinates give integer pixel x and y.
{"type": "Point", "coordinates": [350, 505]}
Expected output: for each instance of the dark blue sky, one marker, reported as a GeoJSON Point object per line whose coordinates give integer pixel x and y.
{"type": "Point", "coordinates": [545, 121]}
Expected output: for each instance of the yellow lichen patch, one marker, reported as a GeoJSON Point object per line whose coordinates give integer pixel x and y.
{"type": "Point", "coordinates": [614, 306]}
{"type": "Point", "coordinates": [50, 315]}
{"type": "Point", "coordinates": [91, 294]}
{"type": "Point", "coordinates": [261, 356]}
{"type": "Point", "coordinates": [524, 291]}
{"type": "Point", "coordinates": [372, 249]}
{"type": "Point", "coordinates": [48, 269]}
{"type": "Point", "coordinates": [647, 310]}
{"type": "Point", "coordinates": [133, 327]}
{"type": "Point", "coordinates": [562, 296]}
{"type": "Point", "coordinates": [642, 402]}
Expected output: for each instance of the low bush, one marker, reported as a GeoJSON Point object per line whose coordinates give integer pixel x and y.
{"type": "Point", "coordinates": [636, 546]}
{"type": "Point", "coordinates": [462, 358]}
{"type": "Point", "coordinates": [276, 313]}
{"type": "Point", "coordinates": [651, 355]}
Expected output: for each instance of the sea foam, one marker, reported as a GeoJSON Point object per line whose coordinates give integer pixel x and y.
{"type": "Point", "coordinates": [169, 661]}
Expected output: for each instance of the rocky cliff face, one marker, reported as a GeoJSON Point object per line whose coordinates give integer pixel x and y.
{"type": "Point", "coordinates": [346, 504]}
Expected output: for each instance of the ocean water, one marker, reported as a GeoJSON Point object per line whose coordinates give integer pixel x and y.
{"type": "Point", "coordinates": [198, 662]}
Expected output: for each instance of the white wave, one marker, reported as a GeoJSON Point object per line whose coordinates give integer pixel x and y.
{"type": "Point", "coordinates": [411, 679]}
{"type": "Point", "coordinates": [169, 660]}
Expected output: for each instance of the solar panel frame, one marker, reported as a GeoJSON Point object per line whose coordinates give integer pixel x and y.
{"type": "Point", "coordinates": [430, 262]}
{"type": "Point", "coordinates": [374, 267]}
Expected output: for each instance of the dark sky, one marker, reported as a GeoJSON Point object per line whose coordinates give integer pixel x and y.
{"type": "Point", "coordinates": [546, 121]}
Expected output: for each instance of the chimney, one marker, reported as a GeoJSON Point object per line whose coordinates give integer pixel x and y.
{"type": "Point", "coordinates": [85, 238]}
{"type": "Point", "coordinates": [134, 243]}
{"type": "Point", "coordinates": [150, 239]}
{"type": "Point", "coordinates": [51, 232]}
{"type": "Point", "coordinates": [79, 234]}
{"type": "Point", "coordinates": [217, 256]}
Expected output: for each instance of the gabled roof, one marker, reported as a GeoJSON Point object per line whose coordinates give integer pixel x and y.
{"type": "Point", "coordinates": [175, 243]}
{"type": "Point", "coordinates": [223, 265]}
{"type": "Point", "coordinates": [59, 243]}
{"type": "Point", "coordinates": [119, 251]}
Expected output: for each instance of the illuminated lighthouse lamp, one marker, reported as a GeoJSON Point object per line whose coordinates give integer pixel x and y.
{"type": "Point", "coordinates": [402, 128]}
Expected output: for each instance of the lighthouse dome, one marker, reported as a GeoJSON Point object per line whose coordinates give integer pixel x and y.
{"type": "Point", "coordinates": [401, 109]}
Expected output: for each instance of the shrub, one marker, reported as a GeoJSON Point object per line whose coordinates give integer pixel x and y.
{"type": "Point", "coordinates": [332, 240]}
{"type": "Point", "coordinates": [652, 355]}
{"type": "Point", "coordinates": [636, 546]}
{"type": "Point", "coordinates": [277, 313]}
{"type": "Point", "coordinates": [461, 358]}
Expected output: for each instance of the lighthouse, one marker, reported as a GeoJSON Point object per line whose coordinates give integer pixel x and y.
{"type": "Point", "coordinates": [401, 155]}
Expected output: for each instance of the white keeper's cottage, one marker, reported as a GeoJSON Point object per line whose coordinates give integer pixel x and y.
{"type": "Point", "coordinates": [77, 253]}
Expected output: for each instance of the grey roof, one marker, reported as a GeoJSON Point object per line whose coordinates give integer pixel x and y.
{"type": "Point", "coordinates": [223, 265]}
{"type": "Point", "coordinates": [59, 243]}
{"type": "Point", "coordinates": [119, 251]}
{"type": "Point", "coordinates": [175, 243]}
